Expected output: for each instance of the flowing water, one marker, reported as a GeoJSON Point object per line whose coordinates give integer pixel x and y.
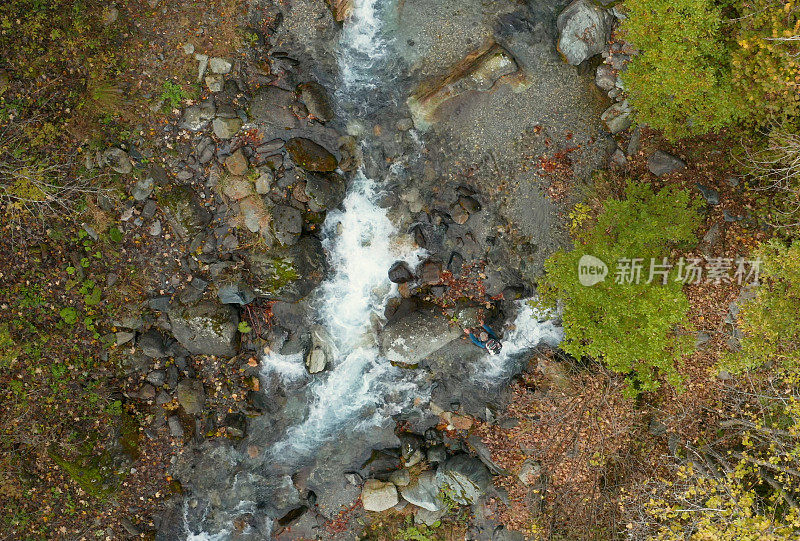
{"type": "Point", "coordinates": [359, 388]}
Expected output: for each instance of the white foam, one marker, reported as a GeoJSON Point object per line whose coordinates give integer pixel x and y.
{"type": "Point", "coordinates": [288, 367]}
{"type": "Point", "coordinates": [361, 47]}
{"type": "Point", "coordinates": [362, 244]}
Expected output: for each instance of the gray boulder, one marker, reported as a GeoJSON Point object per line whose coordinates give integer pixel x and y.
{"type": "Point", "coordinates": [288, 273]}
{"type": "Point", "coordinates": [226, 128]}
{"type": "Point", "coordinates": [236, 293]}
{"type": "Point", "coordinates": [316, 100]}
{"type": "Point", "coordinates": [186, 214]}
{"type": "Point", "coordinates": [617, 118]}
{"type": "Point", "coordinates": [378, 496]}
{"type": "Point", "coordinates": [325, 191]}
{"type": "Point", "coordinates": [191, 396]}
{"type": "Point", "coordinates": [197, 117]}
{"type": "Point", "coordinates": [118, 160]}
{"type": "Point", "coordinates": [152, 344]}
{"type": "Point", "coordinates": [416, 336]}
{"type": "Point", "coordinates": [206, 328]}
{"type": "Point", "coordinates": [320, 352]}
{"type": "Point", "coordinates": [272, 106]}
{"type": "Point", "coordinates": [423, 492]}
{"type": "Point", "coordinates": [464, 478]}
{"type": "Point", "coordinates": [584, 31]}
{"type": "Point", "coordinates": [287, 224]}
{"type": "Point", "coordinates": [660, 163]}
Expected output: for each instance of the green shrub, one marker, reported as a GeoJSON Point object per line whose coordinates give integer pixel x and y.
{"type": "Point", "coordinates": [681, 80]}
{"type": "Point", "coordinates": [770, 323]}
{"type": "Point", "coordinates": [631, 327]}
{"type": "Point", "coordinates": [766, 58]}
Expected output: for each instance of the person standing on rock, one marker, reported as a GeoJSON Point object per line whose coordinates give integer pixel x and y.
{"type": "Point", "coordinates": [486, 339]}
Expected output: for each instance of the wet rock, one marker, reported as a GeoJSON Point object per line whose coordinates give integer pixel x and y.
{"type": "Point", "coordinates": [205, 328]}
{"type": "Point", "coordinates": [415, 336]}
{"type": "Point", "coordinates": [316, 100]}
{"type": "Point", "coordinates": [309, 155]}
{"type": "Point", "coordinates": [287, 224]}
{"type": "Point", "coordinates": [236, 425]}
{"type": "Point", "coordinates": [237, 293]}
{"type": "Point", "coordinates": [319, 353]}
{"type": "Point", "coordinates": [584, 31]}
{"type": "Point", "coordinates": [423, 492]}
{"type": "Point", "coordinates": [226, 128]}
{"type": "Point", "coordinates": [289, 273]}
{"type": "Point", "coordinates": [325, 191]}
{"type": "Point", "coordinates": [118, 160]}
{"type": "Point", "coordinates": [458, 214]}
{"type": "Point", "coordinates": [470, 204]}
{"type": "Point", "coordinates": [400, 272]}
{"type": "Point", "coordinates": [378, 496]}
{"type": "Point", "coordinates": [191, 396]}
{"type": "Point", "coordinates": [479, 71]}
{"type": "Point", "coordinates": [660, 163]}
{"type": "Point", "coordinates": [466, 478]}
{"type": "Point", "coordinates": [185, 212]}
{"type": "Point", "coordinates": [272, 106]}
{"type": "Point", "coordinates": [237, 163]}
{"type": "Point", "coordinates": [197, 117]}
{"type": "Point", "coordinates": [430, 272]}
{"type": "Point", "coordinates": [340, 9]}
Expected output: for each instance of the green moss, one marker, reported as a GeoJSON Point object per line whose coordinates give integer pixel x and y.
{"type": "Point", "coordinates": [93, 473]}
{"type": "Point", "coordinates": [279, 273]}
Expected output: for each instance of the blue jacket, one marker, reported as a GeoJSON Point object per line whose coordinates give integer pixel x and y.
{"type": "Point", "coordinates": [477, 341]}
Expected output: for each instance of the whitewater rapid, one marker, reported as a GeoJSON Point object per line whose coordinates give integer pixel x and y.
{"type": "Point", "coordinates": [362, 243]}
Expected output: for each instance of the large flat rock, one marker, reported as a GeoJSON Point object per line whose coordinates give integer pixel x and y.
{"type": "Point", "coordinates": [417, 335]}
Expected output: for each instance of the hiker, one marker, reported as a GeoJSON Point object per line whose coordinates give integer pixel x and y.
{"type": "Point", "coordinates": [485, 339]}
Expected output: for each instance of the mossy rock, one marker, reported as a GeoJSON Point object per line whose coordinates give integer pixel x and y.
{"type": "Point", "coordinates": [287, 273]}
{"type": "Point", "coordinates": [310, 156]}
{"type": "Point", "coordinates": [183, 209]}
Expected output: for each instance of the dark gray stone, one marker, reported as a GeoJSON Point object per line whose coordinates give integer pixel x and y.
{"type": "Point", "coordinates": [400, 272]}
{"type": "Point", "coordinates": [466, 478]}
{"type": "Point", "coordinates": [237, 293]}
{"type": "Point", "coordinates": [206, 328]}
{"type": "Point", "coordinates": [709, 194]}
{"type": "Point", "coordinates": [660, 163]}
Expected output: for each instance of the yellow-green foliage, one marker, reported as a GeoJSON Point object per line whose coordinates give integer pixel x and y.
{"type": "Point", "coordinates": [751, 496]}
{"type": "Point", "coordinates": [706, 65]}
{"type": "Point", "coordinates": [770, 323]}
{"type": "Point", "coordinates": [681, 80]}
{"type": "Point", "coordinates": [629, 326]}
{"type": "Point", "coordinates": [766, 60]}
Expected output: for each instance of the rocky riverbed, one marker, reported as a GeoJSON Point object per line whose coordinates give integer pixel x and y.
{"type": "Point", "coordinates": [367, 181]}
